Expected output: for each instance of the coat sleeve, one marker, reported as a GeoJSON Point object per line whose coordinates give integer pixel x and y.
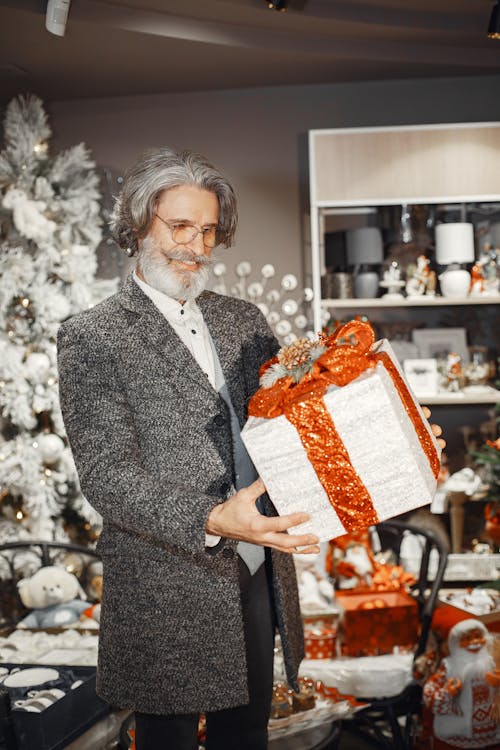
{"type": "Point", "coordinates": [105, 448]}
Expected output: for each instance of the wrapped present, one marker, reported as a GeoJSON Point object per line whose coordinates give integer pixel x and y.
{"type": "Point", "coordinates": [375, 623]}
{"type": "Point", "coordinates": [320, 641]}
{"type": "Point", "coordinates": [335, 431]}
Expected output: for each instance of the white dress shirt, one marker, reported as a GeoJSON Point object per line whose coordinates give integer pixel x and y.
{"type": "Point", "coordinates": [188, 323]}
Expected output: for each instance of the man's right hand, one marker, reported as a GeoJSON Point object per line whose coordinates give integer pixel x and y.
{"type": "Point", "coordinates": [238, 518]}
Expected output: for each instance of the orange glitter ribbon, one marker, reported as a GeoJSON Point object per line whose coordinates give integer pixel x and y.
{"type": "Point", "coordinates": [347, 356]}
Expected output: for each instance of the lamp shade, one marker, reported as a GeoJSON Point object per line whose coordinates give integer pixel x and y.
{"type": "Point", "coordinates": [364, 245]}
{"type": "Point", "coordinates": [454, 243]}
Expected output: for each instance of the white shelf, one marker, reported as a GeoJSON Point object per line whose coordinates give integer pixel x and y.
{"type": "Point", "coordinates": [410, 302]}
{"type": "Point", "coordinates": [492, 396]}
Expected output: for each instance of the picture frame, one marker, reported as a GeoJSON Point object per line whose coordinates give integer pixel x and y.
{"type": "Point", "coordinates": [422, 376]}
{"type": "Point", "coordinates": [437, 343]}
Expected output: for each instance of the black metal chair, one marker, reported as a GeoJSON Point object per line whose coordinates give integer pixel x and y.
{"type": "Point", "coordinates": [389, 722]}
{"type": "Point", "coordinates": [22, 559]}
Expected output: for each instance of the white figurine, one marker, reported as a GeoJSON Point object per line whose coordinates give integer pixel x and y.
{"type": "Point", "coordinates": [392, 281]}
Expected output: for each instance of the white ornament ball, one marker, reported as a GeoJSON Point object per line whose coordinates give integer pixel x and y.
{"type": "Point", "coordinates": [255, 290]}
{"type": "Point", "coordinates": [283, 327]}
{"type": "Point", "coordinates": [268, 271]}
{"type": "Point", "coordinates": [219, 269]}
{"type": "Point", "coordinates": [289, 282]}
{"type": "Point", "coordinates": [301, 321]}
{"type": "Point", "coordinates": [289, 307]}
{"type": "Point", "coordinates": [243, 269]}
{"type": "Point", "coordinates": [263, 308]}
{"type": "Point", "coordinates": [308, 294]}
{"type": "Point", "coordinates": [37, 367]}
{"type": "Point", "coordinates": [51, 447]}
{"type": "Point", "coordinates": [273, 318]}
{"type": "Point", "coordinates": [273, 296]}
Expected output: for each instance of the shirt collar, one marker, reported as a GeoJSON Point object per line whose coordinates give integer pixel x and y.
{"type": "Point", "coordinates": [168, 306]}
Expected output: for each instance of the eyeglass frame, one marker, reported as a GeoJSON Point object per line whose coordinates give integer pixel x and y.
{"type": "Point", "coordinates": [215, 227]}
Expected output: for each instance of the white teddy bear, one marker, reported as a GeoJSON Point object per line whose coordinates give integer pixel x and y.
{"type": "Point", "coordinates": [52, 594]}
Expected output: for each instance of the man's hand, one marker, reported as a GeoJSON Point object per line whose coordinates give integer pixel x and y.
{"type": "Point", "coordinates": [436, 429]}
{"type": "Point", "coordinates": [238, 518]}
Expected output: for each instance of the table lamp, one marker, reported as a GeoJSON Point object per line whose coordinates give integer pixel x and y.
{"type": "Point", "coordinates": [454, 246]}
{"type": "Point", "coordinates": [365, 251]}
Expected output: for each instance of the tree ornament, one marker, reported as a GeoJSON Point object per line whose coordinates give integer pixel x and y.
{"type": "Point", "coordinates": [289, 316]}
{"type": "Point", "coordinates": [50, 447]}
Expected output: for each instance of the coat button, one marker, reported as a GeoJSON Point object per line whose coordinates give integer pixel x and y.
{"type": "Point", "coordinates": [219, 420]}
{"type": "Point", "coordinates": [224, 488]}
{"type": "Point", "coordinates": [228, 553]}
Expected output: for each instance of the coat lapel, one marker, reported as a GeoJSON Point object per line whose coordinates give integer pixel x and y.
{"type": "Point", "coordinates": [227, 340]}
{"type": "Point", "coordinates": [150, 326]}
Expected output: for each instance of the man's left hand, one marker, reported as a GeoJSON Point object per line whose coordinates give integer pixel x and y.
{"type": "Point", "coordinates": [436, 429]}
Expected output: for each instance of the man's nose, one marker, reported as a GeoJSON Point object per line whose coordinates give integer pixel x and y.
{"type": "Point", "coordinates": [197, 246]}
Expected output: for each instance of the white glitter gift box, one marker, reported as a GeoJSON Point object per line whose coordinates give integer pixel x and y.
{"type": "Point", "coordinates": [352, 456]}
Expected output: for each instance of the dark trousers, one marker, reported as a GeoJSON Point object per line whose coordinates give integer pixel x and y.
{"type": "Point", "coordinates": [242, 727]}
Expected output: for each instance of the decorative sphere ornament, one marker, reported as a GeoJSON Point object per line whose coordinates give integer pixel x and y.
{"type": "Point", "coordinates": [273, 318]}
{"type": "Point", "coordinates": [289, 339]}
{"type": "Point", "coordinates": [301, 322]}
{"type": "Point", "coordinates": [37, 367]}
{"type": "Point", "coordinates": [73, 563]}
{"type": "Point", "coordinates": [263, 308]}
{"type": "Point", "coordinates": [289, 307]}
{"type": "Point", "coordinates": [308, 294]}
{"type": "Point", "coordinates": [268, 271]}
{"type": "Point", "coordinates": [283, 327]}
{"type": "Point", "coordinates": [243, 269]}
{"type": "Point", "coordinates": [255, 290]}
{"type": "Point", "coordinates": [273, 296]}
{"type": "Point", "coordinates": [289, 282]}
{"type": "Point", "coordinates": [50, 447]}
{"type": "Point", "coordinates": [219, 269]}
{"type": "Point", "coordinates": [325, 317]}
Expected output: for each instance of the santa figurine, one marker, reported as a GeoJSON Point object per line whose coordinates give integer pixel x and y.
{"type": "Point", "coordinates": [461, 695]}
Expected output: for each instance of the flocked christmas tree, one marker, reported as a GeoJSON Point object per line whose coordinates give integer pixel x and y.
{"type": "Point", "coordinates": [50, 227]}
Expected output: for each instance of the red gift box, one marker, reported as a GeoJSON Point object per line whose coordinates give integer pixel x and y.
{"type": "Point", "coordinates": [320, 642]}
{"type": "Point", "coordinates": [374, 623]}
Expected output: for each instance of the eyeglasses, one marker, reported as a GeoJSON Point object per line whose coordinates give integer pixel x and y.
{"type": "Point", "coordinates": [183, 233]}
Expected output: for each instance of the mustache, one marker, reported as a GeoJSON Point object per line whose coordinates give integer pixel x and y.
{"type": "Point", "coordinates": [186, 256]}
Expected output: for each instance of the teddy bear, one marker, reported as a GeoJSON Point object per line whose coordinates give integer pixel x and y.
{"type": "Point", "coordinates": [55, 597]}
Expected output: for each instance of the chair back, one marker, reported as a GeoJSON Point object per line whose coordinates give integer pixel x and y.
{"type": "Point", "coordinates": [426, 588]}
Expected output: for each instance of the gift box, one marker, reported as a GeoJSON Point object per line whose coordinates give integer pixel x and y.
{"type": "Point", "coordinates": [67, 718]}
{"type": "Point", "coordinates": [320, 641]}
{"type": "Point", "coordinates": [375, 623]}
{"type": "Point", "coordinates": [348, 443]}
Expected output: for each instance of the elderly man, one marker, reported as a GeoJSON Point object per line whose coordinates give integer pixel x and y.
{"type": "Point", "coordinates": [154, 384]}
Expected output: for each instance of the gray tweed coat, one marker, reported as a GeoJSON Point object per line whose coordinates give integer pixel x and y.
{"type": "Point", "coordinates": [152, 444]}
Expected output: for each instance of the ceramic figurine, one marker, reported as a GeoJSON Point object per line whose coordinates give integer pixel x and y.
{"type": "Point", "coordinates": [461, 693]}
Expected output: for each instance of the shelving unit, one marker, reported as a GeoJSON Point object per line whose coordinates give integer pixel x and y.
{"type": "Point", "coordinates": [356, 172]}
{"type": "Point", "coordinates": [409, 302]}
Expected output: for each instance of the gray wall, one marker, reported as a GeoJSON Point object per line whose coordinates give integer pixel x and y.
{"type": "Point", "coordinates": [258, 137]}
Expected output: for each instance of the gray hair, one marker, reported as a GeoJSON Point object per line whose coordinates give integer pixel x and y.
{"type": "Point", "coordinates": [158, 170]}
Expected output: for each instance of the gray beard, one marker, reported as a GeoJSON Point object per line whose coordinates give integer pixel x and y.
{"type": "Point", "coordinates": [176, 283]}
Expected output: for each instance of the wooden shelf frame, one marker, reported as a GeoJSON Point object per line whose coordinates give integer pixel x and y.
{"type": "Point", "coordinates": [371, 167]}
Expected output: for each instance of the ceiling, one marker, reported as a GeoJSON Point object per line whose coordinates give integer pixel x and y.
{"type": "Point", "coordinates": [128, 47]}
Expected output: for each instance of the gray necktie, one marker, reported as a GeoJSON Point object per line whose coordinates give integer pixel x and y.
{"type": "Point", "coordinates": [244, 471]}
